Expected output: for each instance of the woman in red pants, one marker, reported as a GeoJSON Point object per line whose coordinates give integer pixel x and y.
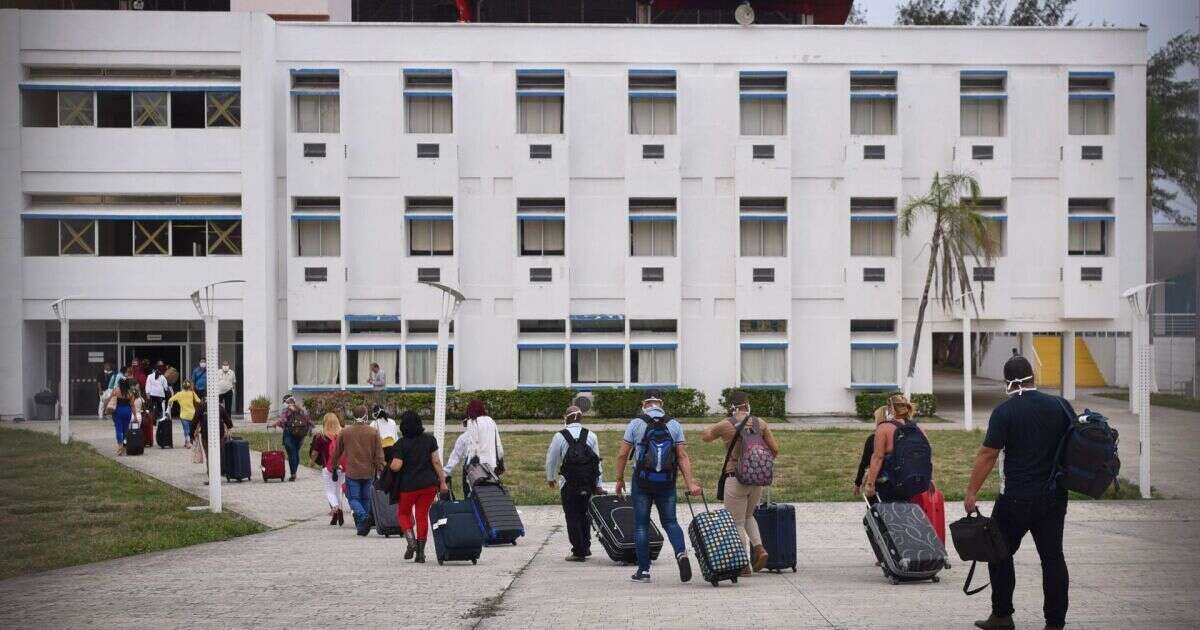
{"type": "Point", "coordinates": [420, 478]}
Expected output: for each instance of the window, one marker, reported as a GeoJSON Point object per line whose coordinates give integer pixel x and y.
{"type": "Point", "coordinates": [131, 72]}
{"type": "Point", "coordinates": [1087, 238]}
{"type": "Point", "coordinates": [77, 238]}
{"type": "Point", "coordinates": [652, 227]}
{"type": "Point", "coordinates": [653, 325]}
{"type": "Point", "coordinates": [39, 108]}
{"type": "Point", "coordinates": [872, 326]}
{"type": "Point", "coordinates": [540, 366]}
{"type": "Point", "coordinates": [597, 365]}
{"type": "Point", "coordinates": [189, 238]}
{"type": "Point", "coordinates": [998, 228]}
{"type": "Point", "coordinates": [430, 226]}
{"type": "Point", "coordinates": [541, 326]}
{"type": "Point", "coordinates": [420, 366]}
{"type": "Point", "coordinates": [224, 238]}
{"type": "Point", "coordinates": [318, 327]}
{"type": "Point", "coordinates": [872, 226]}
{"type": "Point", "coordinates": [763, 226]}
{"type": "Point", "coordinates": [317, 204]}
{"type": "Point", "coordinates": [778, 326]}
{"type": "Point", "coordinates": [540, 101]}
{"type": "Point", "coordinates": [317, 113]}
{"type": "Point", "coordinates": [113, 109]}
{"type": "Point", "coordinates": [652, 365]}
{"type": "Point", "coordinates": [374, 326]}
{"type": "Point", "coordinates": [764, 365]}
{"type": "Point", "coordinates": [318, 238]}
{"type": "Point", "coordinates": [359, 360]}
{"type": "Point", "coordinates": [872, 103]}
{"type": "Point", "coordinates": [151, 238]}
{"type": "Point", "coordinates": [150, 109]}
{"type": "Point", "coordinates": [224, 109]}
{"type": "Point", "coordinates": [1090, 97]}
{"type": "Point", "coordinates": [187, 110]}
{"type": "Point", "coordinates": [652, 102]}
{"type": "Point", "coordinates": [584, 324]}
{"type": "Point", "coordinates": [424, 326]}
{"type": "Point", "coordinates": [115, 238]}
{"type": "Point", "coordinates": [542, 225]}
{"type": "Point", "coordinates": [763, 103]}
{"type": "Point", "coordinates": [76, 109]}
{"type": "Point", "coordinates": [316, 367]}
{"type": "Point", "coordinates": [982, 98]}
{"type": "Point", "coordinates": [40, 237]}
{"type": "Point", "coordinates": [873, 364]}
{"type": "Point", "coordinates": [428, 101]}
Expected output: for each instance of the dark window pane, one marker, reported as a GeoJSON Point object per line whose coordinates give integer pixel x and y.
{"type": "Point", "coordinates": [113, 109]}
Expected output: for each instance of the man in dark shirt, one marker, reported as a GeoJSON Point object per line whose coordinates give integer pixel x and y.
{"type": "Point", "coordinates": [1028, 428]}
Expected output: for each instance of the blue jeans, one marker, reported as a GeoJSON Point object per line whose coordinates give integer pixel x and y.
{"type": "Point", "coordinates": [292, 445]}
{"type": "Point", "coordinates": [664, 500]}
{"type": "Point", "coordinates": [358, 495]}
{"type": "Point", "coordinates": [187, 429]}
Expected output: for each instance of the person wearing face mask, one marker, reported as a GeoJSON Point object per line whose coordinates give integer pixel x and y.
{"type": "Point", "coordinates": [104, 387]}
{"type": "Point", "coordinates": [363, 449]}
{"type": "Point", "coordinates": [200, 379]}
{"type": "Point", "coordinates": [1028, 427]}
{"type": "Point", "coordinates": [226, 382]}
{"type": "Point", "coordinates": [296, 425]}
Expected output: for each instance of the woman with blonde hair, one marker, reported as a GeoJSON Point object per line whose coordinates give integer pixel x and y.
{"type": "Point", "coordinates": [897, 415]}
{"type": "Point", "coordinates": [324, 443]}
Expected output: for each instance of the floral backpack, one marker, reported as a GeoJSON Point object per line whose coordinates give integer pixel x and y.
{"type": "Point", "coordinates": [757, 465]}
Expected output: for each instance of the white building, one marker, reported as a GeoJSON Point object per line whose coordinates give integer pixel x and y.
{"type": "Point", "coordinates": [691, 206]}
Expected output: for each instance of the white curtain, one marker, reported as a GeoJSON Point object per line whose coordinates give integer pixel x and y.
{"type": "Point", "coordinates": [585, 366]}
{"type": "Point", "coordinates": [427, 114]}
{"type": "Point", "coordinates": [609, 365]}
{"type": "Point", "coordinates": [431, 237]}
{"type": "Point", "coordinates": [420, 366]}
{"type": "Point", "coordinates": [655, 365]}
{"type": "Point", "coordinates": [319, 238]}
{"type": "Point", "coordinates": [1086, 236]}
{"type": "Point", "coordinates": [872, 365]}
{"type": "Point", "coordinates": [443, 237]}
{"type": "Point", "coordinates": [1088, 117]}
{"type": "Point", "coordinates": [540, 366]}
{"type": "Point", "coordinates": [330, 113]}
{"type": "Point", "coordinates": [761, 117]}
{"type": "Point", "coordinates": [386, 360]}
{"type": "Point", "coordinates": [553, 237]}
{"type": "Point", "coordinates": [764, 238]}
{"type": "Point", "coordinates": [531, 237]}
{"type": "Point", "coordinates": [860, 117]}
{"type": "Point", "coordinates": [317, 367]}
{"type": "Point", "coordinates": [997, 228]}
{"type": "Point", "coordinates": [981, 118]}
{"type": "Point", "coordinates": [652, 116]}
{"type": "Point", "coordinates": [308, 114]}
{"type": "Point", "coordinates": [653, 238]}
{"type": "Point", "coordinates": [871, 238]}
{"type": "Point", "coordinates": [539, 114]}
{"type": "Point", "coordinates": [764, 365]}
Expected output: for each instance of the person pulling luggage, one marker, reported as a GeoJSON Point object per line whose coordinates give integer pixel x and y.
{"type": "Point", "coordinates": [188, 402]}
{"type": "Point", "coordinates": [750, 437]}
{"type": "Point", "coordinates": [902, 460]}
{"type": "Point", "coordinates": [364, 459]}
{"type": "Point", "coordinates": [659, 450]}
{"type": "Point", "coordinates": [388, 432]}
{"type": "Point", "coordinates": [1028, 428]}
{"type": "Point", "coordinates": [478, 443]}
{"type": "Point", "coordinates": [574, 454]}
{"type": "Point", "coordinates": [418, 464]}
{"type": "Point", "coordinates": [296, 425]}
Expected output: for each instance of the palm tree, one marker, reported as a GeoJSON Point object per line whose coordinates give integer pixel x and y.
{"type": "Point", "coordinates": [959, 232]}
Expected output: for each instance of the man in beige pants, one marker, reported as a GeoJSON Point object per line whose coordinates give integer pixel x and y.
{"type": "Point", "coordinates": [741, 499]}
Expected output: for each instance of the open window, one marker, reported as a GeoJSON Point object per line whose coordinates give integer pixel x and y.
{"type": "Point", "coordinates": [763, 96]}
{"type": "Point", "coordinates": [540, 101]}
{"type": "Point", "coordinates": [359, 360]}
{"type": "Point", "coordinates": [114, 109]}
{"type": "Point", "coordinates": [39, 108]}
{"type": "Point", "coordinates": [652, 226]}
{"type": "Point", "coordinates": [652, 102]}
{"type": "Point", "coordinates": [187, 109]}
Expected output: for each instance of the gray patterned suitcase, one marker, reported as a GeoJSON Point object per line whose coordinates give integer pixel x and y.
{"type": "Point", "coordinates": [905, 544]}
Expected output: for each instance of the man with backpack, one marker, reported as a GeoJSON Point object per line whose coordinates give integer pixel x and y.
{"type": "Point", "coordinates": [659, 452]}
{"type": "Point", "coordinates": [574, 454]}
{"type": "Point", "coordinates": [1028, 428]}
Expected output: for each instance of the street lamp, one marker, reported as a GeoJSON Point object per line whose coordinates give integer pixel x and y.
{"type": "Point", "coordinates": [1143, 365]}
{"type": "Point", "coordinates": [451, 300]}
{"type": "Point", "coordinates": [203, 299]}
{"type": "Point", "coordinates": [59, 308]}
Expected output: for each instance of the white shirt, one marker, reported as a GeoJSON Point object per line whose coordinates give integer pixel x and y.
{"type": "Point", "coordinates": [156, 385]}
{"type": "Point", "coordinates": [387, 429]}
{"type": "Point", "coordinates": [226, 379]}
{"type": "Point", "coordinates": [482, 440]}
{"type": "Point", "coordinates": [558, 450]}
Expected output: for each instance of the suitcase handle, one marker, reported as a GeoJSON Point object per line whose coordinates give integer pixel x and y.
{"type": "Point", "coordinates": [702, 498]}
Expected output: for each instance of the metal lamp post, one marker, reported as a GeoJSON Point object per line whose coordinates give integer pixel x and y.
{"type": "Point", "coordinates": [968, 393]}
{"type": "Point", "coordinates": [1143, 366]}
{"type": "Point", "coordinates": [203, 299]}
{"type": "Point", "coordinates": [59, 308]}
{"type": "Point", "coordinates": [451, 300]}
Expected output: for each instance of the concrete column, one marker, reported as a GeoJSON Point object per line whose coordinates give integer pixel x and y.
{"type": "Point", "coordinates": [15, 387]}
{"type": "Point", "coordinates": [1026, 346]}
{"type": "Point", "coordinates": [968, 392]}
{"type": "Point", "coordinates": [1068, 364]}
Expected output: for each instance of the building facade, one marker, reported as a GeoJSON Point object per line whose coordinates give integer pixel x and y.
{"type": "Point", "coordinates": [623, 205]}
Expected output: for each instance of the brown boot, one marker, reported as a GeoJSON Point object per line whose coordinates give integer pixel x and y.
{"type": "Point", "coordinates": [759, 558]}
{"type": "Point", "coordinates": [996, 622]}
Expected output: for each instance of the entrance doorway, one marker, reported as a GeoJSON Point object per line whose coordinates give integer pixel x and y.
{"type": "Point", "coordinates": [171, 354]}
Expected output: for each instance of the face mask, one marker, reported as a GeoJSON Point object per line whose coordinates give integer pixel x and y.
{"type": "Point", "coordinates": [1019, 390]}
{"type": "Point", "coordinates": [203, 364]}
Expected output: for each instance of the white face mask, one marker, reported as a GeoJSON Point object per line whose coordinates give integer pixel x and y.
{"type": "Point", "coordinates": [1020, 389]}
{"type": "Point", "coordinates": [203, 364]}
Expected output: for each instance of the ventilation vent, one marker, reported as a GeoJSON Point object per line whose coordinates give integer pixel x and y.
{"type": "Point", "coordinates": [653, 152]}
{"type": "Point", "coordinates": [984, 274]}
{"type": "Point", "coordinates": [540, 274]}
{"type": "Point", "coordinates": [314, 149]}
{"type": "Point", "coordinates": [982, 152]}
{"type": "Point", "coordinates": [540, 151]}
{"type": "Point", "coordinates": [429, 274]}
{"type": "Point", "coordinates": [429, 150]}
{"type": "Point", "coordinates": [1091, 274]}
{"type": "Point", "coordinates": [764, 152]}
{"type": "Point", "coordinates": [1091, 152]}
{"type": "Point", "coordinates": [874, 152]}
{"type": "Point", "coordinates": [316, 274]}
{"type": "Point", "coordinates": [874, 274]}
{"type": "Point", "coordinates": [764, 274]}
{"type": "Point", "coordinates": [652, 274]}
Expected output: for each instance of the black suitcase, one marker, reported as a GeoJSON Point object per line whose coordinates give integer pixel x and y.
{"type": "Point", "coordinates": [455, 531]}
{"type": "Point", "coordinates": [777, 526]}
{"type": "Point", "coordinates": [497, 516]}
{"type": "Point", "coordinates": [135, 441]}
{"type": "Point", "coordinates": [612, 518]}
{"type": "Point", "coordinates": [164, 435]}
{"type": "Point", "coordinates": [384, 514]}
{"type": "Point", "coordinates": [235, 460]}
{"type": "Point", "coordinates": [905, 544]}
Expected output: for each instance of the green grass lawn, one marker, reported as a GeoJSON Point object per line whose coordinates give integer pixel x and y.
{"type": "Point", "coordinates": [1174, 401]}
{"type": "Point", "coordinates": [816, 465]}
{"type": "Point", "coordinates": [67, 505]}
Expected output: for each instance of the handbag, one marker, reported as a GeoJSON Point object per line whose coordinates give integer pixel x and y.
{"type": "Point", "coordinates": [728, 453]}
{"type": "Point", "coordinates": [198, 452]}
{"type": "Point", "coordinates": [977, 539]}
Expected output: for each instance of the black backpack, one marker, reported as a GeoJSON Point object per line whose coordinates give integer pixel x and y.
{"type": "Point", "coordinates": [580, 465]}
{"type": "Point", "coordinates": [1087, 460]}
{"type": "Point", "coordinates": [909, 467]}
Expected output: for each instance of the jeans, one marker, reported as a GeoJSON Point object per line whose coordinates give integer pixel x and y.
{"type": "Point", "coordinates": [579, 530]}
{"type": "Point", "coordinates": [292, 445]}
{"type": "Point", "coordinates": [420, 500]}
{"type": "Point", "coordinates": [664, 500]}
{"type": "Point", "coordinates": [1043, 517]}
{"type": "Point", "coordinates": [187, 429]}
{"type": "Point", "coordinates": [358, 495]}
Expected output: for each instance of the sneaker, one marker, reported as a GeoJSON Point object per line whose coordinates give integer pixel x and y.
{"type": "Point", "coordinates": [685, 567]}
{"type": "Point", "coordinates": [995, 622]}
{"type": "Point", "coordinates": [640, 576]}
{"type": "Point", "coordinates": [575, 558]}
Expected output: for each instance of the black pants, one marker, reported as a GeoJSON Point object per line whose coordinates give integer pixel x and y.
{"type": "Point", "coordinates": [1043, 517]}
{"type": "Point", "coordinates": [575, 508]}
{"type": "Point", "coordinates": [226, 401]}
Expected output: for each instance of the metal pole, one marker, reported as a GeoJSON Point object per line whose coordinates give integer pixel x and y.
{"type": "Point", "coordinates": [212, 404]}
{"type": "Point", "coordinates": [968, 394]}
{"type": "Point", "coordinates": [64, 376]}
{"type": "Point", "coordinates": [1144, 367]}
{"type": "Point", "coordinates": [439, 391]}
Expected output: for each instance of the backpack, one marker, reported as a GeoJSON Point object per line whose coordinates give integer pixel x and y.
{"type": "Point", "coordinates": [757, 465]}
{"type": "Point", "coordinates": [908, 469]}
{"type": "Point", "coordinates": [656, 467]}
{"type": "Point", "coordinates": [1087, 460]}
{"type": "Point", "coordinates": [297, 426]}
{"type": "Point", "coordinates": [580, 465]}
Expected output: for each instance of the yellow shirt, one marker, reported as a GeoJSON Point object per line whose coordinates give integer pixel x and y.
{"type": "Point", "coordinates": [187, 400]}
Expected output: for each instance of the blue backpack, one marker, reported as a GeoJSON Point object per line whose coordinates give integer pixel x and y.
{"type": "Point", "coordinates": [657, 466]}
{"type": "Point", "coordinates": [909, 467]}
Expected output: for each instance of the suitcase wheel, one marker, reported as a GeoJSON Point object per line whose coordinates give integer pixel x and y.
{"type": "Point", "coordinates": [474, 560]}
{"type": "Point", "coordinates": [714, 583]}
{"type": "Point", "coordinates": [793, 568]}
{"type": "Point", "coordinates": [733, 579]}
{"type": "Point", "coordinates": [935, 579]}
{"type": "Point", "coordinates": [441, 562]}
{"type": "Point", "coordinates": [947, 564]}
{"type": "Point", "coordinates": [514, 543]}
{"type": "Point", "coordinates": [894, 580]}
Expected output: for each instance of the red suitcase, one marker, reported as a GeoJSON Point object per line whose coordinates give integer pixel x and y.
{"type": "Point", "coordinates": [148, 422]}
{"type": "Point", "coordinates": [272, 464]}
{"type": "Point", "coordinates": [933, 504]}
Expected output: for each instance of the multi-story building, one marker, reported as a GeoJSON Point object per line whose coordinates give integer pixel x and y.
{"type": "Point", "coordinates": [623, 205]}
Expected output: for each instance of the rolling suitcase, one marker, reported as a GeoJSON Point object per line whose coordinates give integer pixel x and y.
{"type": "Point", "coordinates": [235, 460]}
{"type": "Point", "coordinates": [148, 422]}
{"type": "Point", "coordinates": [777, 526]}
{"type": "Point", "coordinates": [164, 435]}
{"type": "Point", "coordinates": [718, 547]}
{"type": "Point", "coordinates": [905, 545]}
{"type": "Point", "coordinates": [271, 463]}
{"type": "Point", "coordinates": [497, 516]}
{"type": "Point", "coordinates": [134, 442]}
{"type": "Point", "coordinates": [612, 518]}
{"type": "Point", "coordinates": [933, 503]}
{"type": "Point", "coordinates": [384, 514]}
{"type": "Point", "coordinates": [455, 531]}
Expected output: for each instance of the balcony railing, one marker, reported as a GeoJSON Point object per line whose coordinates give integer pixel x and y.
{"type": "Point", "coordinates": [1174, 324]}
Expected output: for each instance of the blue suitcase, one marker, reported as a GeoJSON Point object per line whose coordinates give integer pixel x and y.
{"type": "Point", "coordinates": [777, 526]}
{"type": "Point", "coordinates": [235, 460]}
{"type": "Point", "coordinates": [498, 519]}
{"type": "Point", "coordinates": [455, 532]}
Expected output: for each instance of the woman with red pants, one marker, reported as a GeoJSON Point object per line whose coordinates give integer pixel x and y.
{"type": "Point", "coordinates": [420, 478]}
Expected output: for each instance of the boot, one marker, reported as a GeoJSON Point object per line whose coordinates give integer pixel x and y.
{"type": "Point", "coordinates": [341, 517]}
{"type": "Point", "coordinates": [996, 622]}
{"type": "Point", "coordinates": [333, 516]}
{"type": "Point", "coordinates": [412, 544]}
{"type": "Point", "coordinates": [420, 552]}
{"type": "Point", "coordinates": [758, 558]}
